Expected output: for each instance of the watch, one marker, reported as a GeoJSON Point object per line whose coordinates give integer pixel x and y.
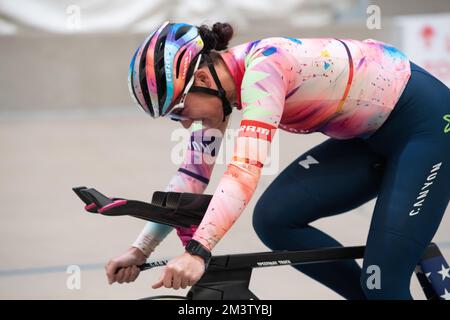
{"type": "Point", "coordinates": [197, 249]}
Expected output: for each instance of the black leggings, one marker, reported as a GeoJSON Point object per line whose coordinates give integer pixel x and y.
{"type": "Point", "coordinates": [405, 164]}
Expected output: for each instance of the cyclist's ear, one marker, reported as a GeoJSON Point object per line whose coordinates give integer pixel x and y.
{"type": "Point", "coordinates": [202, 78]}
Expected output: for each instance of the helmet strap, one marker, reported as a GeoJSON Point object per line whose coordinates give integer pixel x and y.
{"type": "Point", "coordinates": [218, 93]}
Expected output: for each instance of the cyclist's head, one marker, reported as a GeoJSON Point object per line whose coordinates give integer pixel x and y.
{"type": "Point", "coordinates": [176, 59]}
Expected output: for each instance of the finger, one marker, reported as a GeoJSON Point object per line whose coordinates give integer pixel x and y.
{"type": "Point", "coordinates": [120, 275]}
{"type": "Point", "coordinates": [110, 272]}
{"type": "Point", "coordinates": [127, 276]}
{"type": "Point", "coordinates": [110, 279]}
{"type": "Point", "coordinates": [159, 283]}
{"type": "Point", "coordinates": [134, 273]}
{"type": "Point", "coordinates": [184, 283]}
{"type": "Point", "coordinates": [168, 277]}
{"type": "Point", "coordinates": [176, 280]}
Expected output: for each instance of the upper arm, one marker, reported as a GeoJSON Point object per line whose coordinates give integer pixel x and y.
{"type": "Point", "coordinates": [263, 95]}
{"type": "Point", "coordinates": [263, 90]}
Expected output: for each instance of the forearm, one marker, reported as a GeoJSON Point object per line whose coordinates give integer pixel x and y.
{"type": "Point", "coordinates": [238, 183]}
{"type": "Point", "coordinates": [233, 193]}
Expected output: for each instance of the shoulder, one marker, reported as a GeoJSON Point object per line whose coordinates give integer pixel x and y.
{"type": "Point", "coordinates": [268, 49]}
{"type": "Point", "coordinates": [266, 61]}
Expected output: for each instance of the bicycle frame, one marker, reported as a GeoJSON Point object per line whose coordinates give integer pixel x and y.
{"type": "Point", "coordinates": [228, 276]}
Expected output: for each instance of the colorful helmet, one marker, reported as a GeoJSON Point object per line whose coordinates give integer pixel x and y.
{"type": "Point", "coordinates": [161, 65]}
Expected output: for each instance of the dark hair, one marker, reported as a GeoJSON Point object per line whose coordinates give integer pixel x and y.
{"type": "Point", "coordinates": [217, 37]}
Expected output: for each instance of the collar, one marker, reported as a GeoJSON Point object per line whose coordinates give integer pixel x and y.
{"type": "Point", "coordinates": [236, 67]}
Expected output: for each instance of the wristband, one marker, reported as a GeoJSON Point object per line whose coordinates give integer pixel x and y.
{"type": "Point", "coordinates": [195, 248]}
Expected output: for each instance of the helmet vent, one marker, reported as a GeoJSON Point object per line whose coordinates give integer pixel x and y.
{"type": "Point", "coordinates": [143, 78]}
{"type": "Point", "coordinates": [181, 32]}
{"type": "Point", "coordinates": [179, 62]}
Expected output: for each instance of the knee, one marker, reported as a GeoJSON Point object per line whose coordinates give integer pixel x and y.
{"type": "Point", "coordinates": [276, 221]}
{"type": "Point", "coordinates": [265, 222]}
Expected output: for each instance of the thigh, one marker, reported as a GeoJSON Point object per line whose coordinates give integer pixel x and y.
{"type": "Point", "coordinates": [331, 178]}
{"type": "Point", "coordinates": [412, 199]}
{"type": "Point", "coordinates": [414, 192]}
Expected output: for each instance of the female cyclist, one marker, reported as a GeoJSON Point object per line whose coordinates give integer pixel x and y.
{"type": "Point", "coordinates": [388, 123]}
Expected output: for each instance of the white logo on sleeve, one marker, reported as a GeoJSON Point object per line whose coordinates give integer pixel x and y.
{"type": "Point", "coordinates": [307, 162]}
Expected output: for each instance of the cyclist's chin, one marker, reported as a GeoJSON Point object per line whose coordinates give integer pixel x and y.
{"type": "Point", "coordinates": [186, 123]}
{"type": "Point", "coordinates": [206, 123]}
{"type": "Point", "coordinates": [211, 123]}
